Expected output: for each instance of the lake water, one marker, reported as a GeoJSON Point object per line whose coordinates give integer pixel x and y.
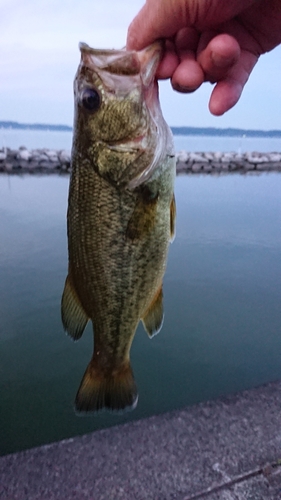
{"type": "Point", "coordinates": [222, 296]}
{"type": "Point", "coordinates": [33, 139]}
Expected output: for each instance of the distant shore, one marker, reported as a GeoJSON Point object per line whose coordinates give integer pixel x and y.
{"type": "Point", "coordinates": [23, 160]}
{"type": "Point", "coordinates": [182, 130]}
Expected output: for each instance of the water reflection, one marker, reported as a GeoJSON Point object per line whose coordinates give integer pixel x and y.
{"type": "Point", "coordinates": [222, 305]}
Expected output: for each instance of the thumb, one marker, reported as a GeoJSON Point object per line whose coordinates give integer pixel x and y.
{"type": "Point", "coordinates": [157, 19]}
{"type": "Point", "coordinates": [164, 18]}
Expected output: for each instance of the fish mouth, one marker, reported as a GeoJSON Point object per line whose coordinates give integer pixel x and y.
{"type": "Point", "coordinates": [126, 62]}
{"type": "Point", "coordinates": [117, 62]}
{"type": "Point", "coordinates": [149, 59]}
{"type": "Point", "coordinates": [84, 47]}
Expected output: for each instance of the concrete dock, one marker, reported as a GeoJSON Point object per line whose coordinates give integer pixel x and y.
{"type": "Point", "coordinates": [228, 449]}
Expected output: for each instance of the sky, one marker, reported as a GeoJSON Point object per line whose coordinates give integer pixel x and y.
{"type": "Point", "coordinates": [39, 58]}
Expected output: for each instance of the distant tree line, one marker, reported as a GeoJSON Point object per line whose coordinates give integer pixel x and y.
{"type": "Point", "coordinates": [208, 131]}
{"type": "Point", "coordinates": [34, 126]}
{"type": "Point", "coordinates": [225, 132]}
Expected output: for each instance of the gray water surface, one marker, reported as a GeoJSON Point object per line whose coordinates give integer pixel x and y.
{"type": "Point", "coordinates": [32, 139]}
{"type": "Point", "coordinates": [222, 296]}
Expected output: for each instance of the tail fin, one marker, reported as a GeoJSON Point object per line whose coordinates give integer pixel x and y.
{"type": "Point", "coordinates": [115, 391]}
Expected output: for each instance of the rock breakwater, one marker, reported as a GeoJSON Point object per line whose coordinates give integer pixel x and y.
{"type": "Point", "coordinates": [24, 160]}
{"type": "Point", "coordinates": [227, 162]}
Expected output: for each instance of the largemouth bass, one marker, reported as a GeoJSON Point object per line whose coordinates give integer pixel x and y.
{"type": "Point", "coordinates": [121, 216]}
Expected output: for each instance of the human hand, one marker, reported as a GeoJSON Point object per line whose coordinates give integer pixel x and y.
{"type": "Point", "coordinates": [208, 40]}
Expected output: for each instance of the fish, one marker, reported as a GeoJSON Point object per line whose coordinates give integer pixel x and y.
{"type": "Point", "coordinates": [120, 217]}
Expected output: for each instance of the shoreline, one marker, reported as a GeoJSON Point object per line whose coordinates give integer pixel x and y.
{"type": "Point", "coordinates": [215, 450]}
{"type": "Point", "coordinates": [23, 160]}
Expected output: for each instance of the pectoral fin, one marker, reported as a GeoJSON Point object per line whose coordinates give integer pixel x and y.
{"type": "Point", "coordinates": [153, 318]}
{"type": "Point", "coordinates": [173, 218]}
{"type": "Point", "coordinates": [142, 220]}
{"type": "Point", "coordinates": [73, 316]}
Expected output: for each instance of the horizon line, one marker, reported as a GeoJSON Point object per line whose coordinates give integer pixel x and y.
{"type": "Point", "coordinates": [176, 129]}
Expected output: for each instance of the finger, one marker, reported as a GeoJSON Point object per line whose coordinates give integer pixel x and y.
{"type": "Point", "coordinates": [188, 75]}
{"type": "Point", "coordinates": [169, 62]}
{"type": "Point", "coordinates": [228, 91]}
{"type": "Point", "coordinates": [217, 55]}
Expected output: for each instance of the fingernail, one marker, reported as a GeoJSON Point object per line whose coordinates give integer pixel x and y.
{"type": "Point", "coordinates": [183, 89]}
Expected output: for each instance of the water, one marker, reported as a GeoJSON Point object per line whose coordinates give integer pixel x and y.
{"type": "Point", "coordinates": [219, 143]}
{"type": "Point", "coordinates": [222, 295]}
{"type": "Point", "coordinates": [33, 139]}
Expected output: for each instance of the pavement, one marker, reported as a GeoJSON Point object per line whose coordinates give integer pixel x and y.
{"type": "Point", "coordinates": [227, 449]}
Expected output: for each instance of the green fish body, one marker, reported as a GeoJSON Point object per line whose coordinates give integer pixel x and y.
{"type": "Point", "coordinates": [121, 217]}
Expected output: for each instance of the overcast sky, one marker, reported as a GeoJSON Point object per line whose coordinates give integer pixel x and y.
{"type": "Point", "coordinates": [39, 57]}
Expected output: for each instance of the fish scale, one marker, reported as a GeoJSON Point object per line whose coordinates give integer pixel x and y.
{"type": "Point", "coordinates": [118, 234]}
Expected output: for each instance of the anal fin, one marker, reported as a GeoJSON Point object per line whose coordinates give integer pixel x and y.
{"type": "Point", "coordinates": [74, 318]}
{"type": "Point", "coordinates": [153, 317]}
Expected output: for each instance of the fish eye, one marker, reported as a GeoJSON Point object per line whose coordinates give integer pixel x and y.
{"type": "Point", "coordinates": [91, 100]}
